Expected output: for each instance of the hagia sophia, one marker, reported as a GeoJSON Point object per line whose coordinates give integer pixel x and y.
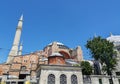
{"type": "Point", "coordinates": [52, 65]}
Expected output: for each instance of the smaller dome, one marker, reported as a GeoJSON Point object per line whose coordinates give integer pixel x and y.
{"type": "Point", "coordinates": [55, 54]}
{"type": "Point", "coordinates": [70, 61]}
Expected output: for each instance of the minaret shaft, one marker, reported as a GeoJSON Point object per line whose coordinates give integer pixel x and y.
{"type": "Point", "coordinates": [20, 49]}
{"type": "Point", "coordinates": [17, 37]}
{"type": "Point", "coordinates": [14, 50]}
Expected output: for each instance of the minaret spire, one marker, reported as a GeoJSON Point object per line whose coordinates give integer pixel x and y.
{"type": "Point", "coordinates": [21, 18]}
{"type": "Point", "coordinates": [14, 50]}
{"type": "Point", "coordinates": [111, 34]}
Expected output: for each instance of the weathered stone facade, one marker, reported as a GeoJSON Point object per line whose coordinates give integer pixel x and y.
{"type": "Point", "coordinates": [55, 61]}
{"type": "Point", "coordinates": [24, 65]}
{"type": "Point", "coordinates": [57, 70]}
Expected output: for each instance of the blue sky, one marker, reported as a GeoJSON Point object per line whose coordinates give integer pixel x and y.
{"type": "Point", "coordinates": [71, 22]}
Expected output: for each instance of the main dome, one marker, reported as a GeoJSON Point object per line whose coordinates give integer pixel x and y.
{"type": "Point", "coordinates": [60, 45]}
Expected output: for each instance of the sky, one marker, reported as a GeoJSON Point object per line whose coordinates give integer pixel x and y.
{"type": "Point", "coordinates": [71, 22]}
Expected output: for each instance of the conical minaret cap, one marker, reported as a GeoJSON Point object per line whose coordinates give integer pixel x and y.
{"type": "Point", "coordinates": [21, 18]}
{"type": "Point", "coordinates": [20, 23]}
{"type": "Point", "coordinates": [111, 34]}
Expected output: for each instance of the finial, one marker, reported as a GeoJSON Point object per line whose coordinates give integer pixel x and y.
{"type": "Point", "coordinates": [21, 18]}
{"type": "Point", "coordinates": [111, 34]}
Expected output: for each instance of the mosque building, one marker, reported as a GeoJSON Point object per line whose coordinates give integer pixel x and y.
{"type": "Point", "coordinates": [55, 59]}
{"type": "Point", "coordinates": [52, 65]}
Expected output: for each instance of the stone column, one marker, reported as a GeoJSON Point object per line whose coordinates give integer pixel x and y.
{"type": "Point", "coordinates": [105, 80]}
{"type": "Point", "coordinates": [4, 78]}
{"type": "Point", "coordinates": [68, 78]}
{"type": "Point", "coordinates": [94, 80]}
{"type": "Point", "coordinates": [79, 77]}
{"type": "Point", "coordinates": [27, 79]}
{"type": "Point", "coordinates": [43, 77]}
{"type": "Point", "coordinates": [115, 80]}
{"type": "Point", "coordinates": [16, 82]}
{"type": "Point", "coordinates": [57, 78]}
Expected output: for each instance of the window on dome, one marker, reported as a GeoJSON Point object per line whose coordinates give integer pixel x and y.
{"type": "Point", "coordinates": [74, 79]}
{"type": "Point", "coordinates": [63, 79]}
{"type": "Point", "coordinates": [63, 47]}
{"type": "Point", "coordinates": [51, 79]}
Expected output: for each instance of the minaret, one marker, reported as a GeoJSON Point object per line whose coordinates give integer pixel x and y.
{"type": "Point", "coordinates": [20, 49]}
{"type": "Point", "coordinates": [14, 50]}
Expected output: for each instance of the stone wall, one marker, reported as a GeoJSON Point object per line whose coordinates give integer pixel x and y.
{"type": "Point", "coordinates": [105, 79]}
{"type": "Point", "coordinates": [15, 66]}
{"type": "Point", "coordinates": [4, 68]}
{"type": "Point", "coordinates": [57, 71]}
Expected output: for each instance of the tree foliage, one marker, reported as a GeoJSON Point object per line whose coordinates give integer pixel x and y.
{"type": "Point", "coordinates": [103, 50]}
{"type": "Point", "coordinates": [86, 68]}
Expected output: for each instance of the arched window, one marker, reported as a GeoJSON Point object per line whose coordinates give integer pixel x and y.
{"type": "Point", "coordinates": [23, 67]}
{"type": "Point", "coordinates": [63, 79]}
{"type": "Point", "coordinates": [74, 79]}
{"type": "Point", "coordinates": [51, 79]}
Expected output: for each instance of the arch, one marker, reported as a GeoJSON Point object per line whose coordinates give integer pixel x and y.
{"type": "Point", "coordinates": [51, 79]}
{"type": "Point", "coordinates": [63, 79]}
{"type": "Point", "coordinates": [65, 54]}
{"type": "Point", "coordinates": [23, 67]}
{"type": "Point", "coordinates": [74, 79]}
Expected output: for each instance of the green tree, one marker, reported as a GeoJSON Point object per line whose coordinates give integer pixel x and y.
{"type": "Point", "coordinates": [86, 68]}
{"type": "Point", "coordinates": [103, 51]}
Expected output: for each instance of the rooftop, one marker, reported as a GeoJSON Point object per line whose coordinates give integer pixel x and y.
{"type": "Point", "coordinates": [60, 45]}
{"type": "Point", "coordinates": [115, 39]}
